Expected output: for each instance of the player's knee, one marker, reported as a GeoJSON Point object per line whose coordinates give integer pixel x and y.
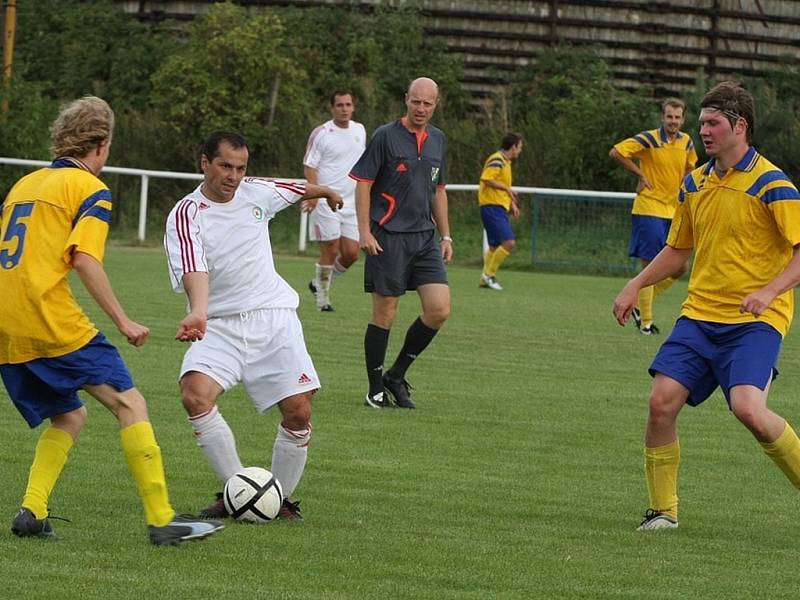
{"type": "Point", "coordinates": [71, 422]}
{"type": "Point", "coordinates": [663, 406]}
{"type": "Point", "coordinates": [751, 416]}
{"type": "Point", "coordinates": [195, 401]}
{"type": "Point", "coordinates": [296, 412]}
{"type": "Point", "coordinates": [509, 245]}
{"type": "Point", "coordinates": [347, 258]}
{"type": "Point", "coordinates": [436, 316]}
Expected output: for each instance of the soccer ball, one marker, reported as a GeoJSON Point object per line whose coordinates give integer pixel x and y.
{"type": "Point", "coordinates": [253, 494]}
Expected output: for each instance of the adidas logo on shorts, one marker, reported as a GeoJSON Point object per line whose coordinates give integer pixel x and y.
{"type": "Point", "coordinates": [304, 379]}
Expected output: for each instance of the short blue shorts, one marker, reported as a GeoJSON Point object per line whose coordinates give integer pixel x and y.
{"type": "Point", "coordinates": [496, 223]}
{"type": "Point", "coordinates": [47, 387]}
{"type": "Point", "coordinates": [648, 236]}
{"type": "Point", "coordinates": [701, 356]}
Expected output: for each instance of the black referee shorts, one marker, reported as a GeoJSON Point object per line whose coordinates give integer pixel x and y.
{"type": "Point", "coordinates": [408, 261]}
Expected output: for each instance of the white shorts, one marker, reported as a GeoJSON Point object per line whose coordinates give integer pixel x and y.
{"type": "Point", "coordinates": [327, 225]}
{"type": "Point", "coordinates": [263, 349]}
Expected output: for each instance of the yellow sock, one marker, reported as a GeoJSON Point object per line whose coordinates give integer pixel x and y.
{"type": "Point", "coordinates": [662, 286]}
{"type": "Point", "coordinates": [48, 461]}
{"type": "Point", "coordinates": [645, 304]}
{"type": "Point", "coordinates": [661, 470]}
{"type": "Point", "coordinates": [144, 461]}
{"type": "Point", "coordinates": [487, 261]}
{"type": "Point", "coordinates": [785, 452]}
{"type": "Point", "coordinates": [498, 256]}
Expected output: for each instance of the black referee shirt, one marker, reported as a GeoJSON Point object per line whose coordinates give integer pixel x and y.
{"type": "Point", "coordinates": [405, 169]}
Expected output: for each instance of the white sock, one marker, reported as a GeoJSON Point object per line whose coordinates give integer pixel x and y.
{"type": "Point", "coordinates": [215, 438]}
{"type": "Point", "coordinates": [289, 457]}
{"type": "Point", "coordinates": [323, 284]}
{"type": "Point", "coordinates": [338, 270]}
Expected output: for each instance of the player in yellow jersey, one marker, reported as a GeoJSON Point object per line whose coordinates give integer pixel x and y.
{"type": "Point", "coordinates": [497, 199]}
{"type": "Point", "coordinates": [660, 158]}
{"type": "Point", "coordinates": [53, 221]}
{"type": "Point", "coordinates": [740, 215]}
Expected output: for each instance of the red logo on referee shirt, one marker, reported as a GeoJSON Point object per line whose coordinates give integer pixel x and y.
{"type": "Point", "coordinates": [304, 379]}
{"type": "Point", "coordinates": [401, 168]}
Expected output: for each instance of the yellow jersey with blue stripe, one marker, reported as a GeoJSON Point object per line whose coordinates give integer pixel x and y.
{"type": "Point", "coordinates": [46, 216]}
{"type": "Point", "coordinates": [743, 227]}
{"type": "Point", "coordinates": [664, 162]}
{"type": "Point", "coordinates": [496, 168]}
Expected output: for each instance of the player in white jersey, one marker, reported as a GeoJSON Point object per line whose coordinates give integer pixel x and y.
{"type": "Point", "coordinates": [242, 319]}
{"type": "Point", "coordinates": [333, 148]}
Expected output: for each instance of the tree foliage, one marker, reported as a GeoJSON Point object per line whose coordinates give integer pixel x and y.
{"type": "Point", "coordinates": [268, 72]}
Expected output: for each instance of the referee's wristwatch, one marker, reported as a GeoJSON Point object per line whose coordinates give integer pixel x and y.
{"type": "Point", "coordinates": [447, 238]}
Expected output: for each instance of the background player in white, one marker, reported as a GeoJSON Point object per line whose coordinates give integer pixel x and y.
{"type": "Point", "coordinates": [333, 148]}
{"type": "Point", "coordinates": [242, 315]}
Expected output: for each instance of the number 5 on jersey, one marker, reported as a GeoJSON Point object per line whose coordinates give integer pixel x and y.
{"type": "Point", "coordinates": [15, 235]}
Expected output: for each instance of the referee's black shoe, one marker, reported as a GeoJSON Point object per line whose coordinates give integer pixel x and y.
{"type": "Point", "coordinates": [400, 391]}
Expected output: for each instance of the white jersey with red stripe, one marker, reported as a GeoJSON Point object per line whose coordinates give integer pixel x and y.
{"type": "Point", "coordinates": [332, 151]}
{"type": "Point", "coordinates": [230, 241]}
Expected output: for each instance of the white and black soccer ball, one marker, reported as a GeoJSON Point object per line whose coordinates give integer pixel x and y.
{"type": "Point", "coordinates": [253, 494]}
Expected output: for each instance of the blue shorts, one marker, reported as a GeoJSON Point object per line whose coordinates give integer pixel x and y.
{"type": "Point", "coordinates": [496, 223]}
{"type": "Point", "coordinates": [701, 356]}
{"type": "Point", "coordinates": [648, 236]}
{"type": "Point", "coordinates": [48, 387]}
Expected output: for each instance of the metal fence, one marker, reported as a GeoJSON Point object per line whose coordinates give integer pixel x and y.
{"type": "Point", "coordinates": [581, 229]}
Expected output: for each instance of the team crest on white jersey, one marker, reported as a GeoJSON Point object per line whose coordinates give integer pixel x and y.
{"type": "Point", "coordinates": [258, 214]}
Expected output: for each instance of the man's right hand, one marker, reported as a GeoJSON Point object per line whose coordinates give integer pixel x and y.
{"type": "Point", "coordinates": [644, 184]}
{"type": "Point", "coordinates": [369, 244]}
{"type": "Point", "coordinates": [192, 328]}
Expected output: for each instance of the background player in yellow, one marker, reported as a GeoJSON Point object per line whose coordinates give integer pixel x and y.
{"type": "Point", "coordinates": [659, 158]}
{"type": "Point", "coordinates": [497, 199]}
{"type": "Point", "coordinates": [55, 220]}
{"type": "Point", "coordinates": [740, 215]}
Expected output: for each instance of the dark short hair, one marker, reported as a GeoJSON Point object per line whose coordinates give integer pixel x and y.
{"type": "Point", "coordinates": [211, 145]}
{"type": "Point", "coordinates": [510, 139]}
{"type": "Point", "coordinates": [341, 92]}
{"type": "Point", "coordinates": [733, 101]}
{"type": "Point", "coordinates": [674, 102]}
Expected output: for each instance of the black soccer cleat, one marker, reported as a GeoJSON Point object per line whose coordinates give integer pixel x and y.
{"type": "Point", "coordinates": [379, 400]}
{"type": "Point", "coordinates": [637, 318]}
{"type": "Point", "coordinates": [215, 510]}
{"type": "Point", "coordinates": [649, 329]}
{"type": "Point", "coordinates": [25, 524]}
{"type": "Point", "coordinates": [400, 390]}
{"type": "Point", "coordinates": [183, 528]}
{"type": "Point", "coordinates": [325, 308]}
{"type": "Point", "coordinates": [290, 511]}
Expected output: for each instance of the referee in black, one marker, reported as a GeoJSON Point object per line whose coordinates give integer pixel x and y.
{"type": "Point", "coordinates": [401, 205]}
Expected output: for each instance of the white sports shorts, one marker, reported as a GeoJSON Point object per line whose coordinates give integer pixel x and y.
{"type": "Point", "coordinates": [263, 349]}
{"type": "Point", "coordinates": [327, 225]}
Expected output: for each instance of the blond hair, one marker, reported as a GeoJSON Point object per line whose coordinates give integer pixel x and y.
{"type": "Point", "coordinates": [81, 126]}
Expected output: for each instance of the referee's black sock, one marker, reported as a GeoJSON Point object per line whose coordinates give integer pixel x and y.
{"type": "Point", "coordinates": [376, 340]}
{"type": "Point", "coordinates": [417, 339]}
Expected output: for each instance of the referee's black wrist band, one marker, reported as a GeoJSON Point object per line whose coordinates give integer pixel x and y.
{"type": "Point", "coordinates": [447, 238]}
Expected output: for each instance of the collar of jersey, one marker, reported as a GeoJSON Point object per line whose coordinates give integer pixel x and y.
{"type": "Point", "coordinates": [67, 162]}
{"type": "Point", "coordinates": [747, 162]}
{"type": "Point", "coordinates": [662, 132]}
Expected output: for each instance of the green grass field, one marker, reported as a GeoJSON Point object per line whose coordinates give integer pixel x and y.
{"type": "Point", "coordinates": [519, 476]}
